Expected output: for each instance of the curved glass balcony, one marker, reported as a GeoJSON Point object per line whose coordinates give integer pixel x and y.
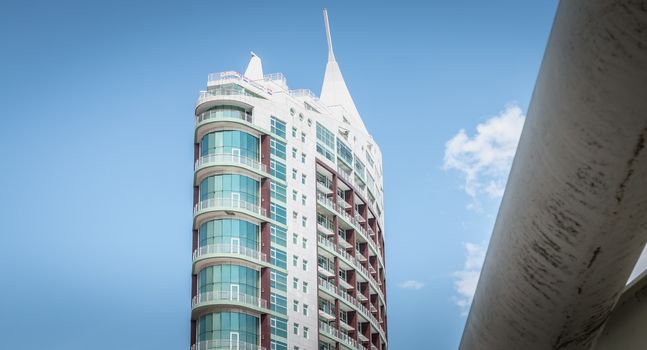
{"type": "Point", "coordinates": [214, 298]}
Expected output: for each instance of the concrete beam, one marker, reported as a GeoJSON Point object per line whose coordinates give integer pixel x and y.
{"type": "Point", "coordinates": [573, 220]}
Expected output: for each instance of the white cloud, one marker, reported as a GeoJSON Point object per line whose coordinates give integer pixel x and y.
{"type": "Point", "coordinates": [485, 158]}
{"type": "Point", "coordinates": [465, 280]}
{"type": "Point", "coordinates": [411, 284]}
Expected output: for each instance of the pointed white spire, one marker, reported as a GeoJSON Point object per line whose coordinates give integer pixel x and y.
{"type": "Point", "coordinates": [254, 69]}
{"type": "Point", "coordinates": [334, 92]}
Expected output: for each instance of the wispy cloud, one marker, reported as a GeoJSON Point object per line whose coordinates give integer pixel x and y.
{"type": "Point", "coordinates": [411, 284]}
{"type": "Point", "coordinates": [485, 159]}
{"type": "Point", "coordinates": [465, 280]}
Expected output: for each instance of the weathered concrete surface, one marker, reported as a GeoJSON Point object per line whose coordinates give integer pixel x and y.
{"type": "Point", "coordinates": [626, 328]}
{"type": "Point", "coordinates": [573, 219]}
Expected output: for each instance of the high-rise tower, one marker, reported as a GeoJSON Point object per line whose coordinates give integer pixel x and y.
{"type": "Point", "coordinates": [288, 229]}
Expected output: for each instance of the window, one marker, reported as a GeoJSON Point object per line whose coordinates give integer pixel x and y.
{"type": "Point", "coordinates": [295, 305]}
{"type": "Point", "coordinates": [300, 116]}
{"type": "Point", "coordinates": [304, 243]}
{"type": "Point", "coordinates": [278, 235]}
{"type": "Point", "coordinates": [304, 221]}
{"type": "Point", "coordinates": [294, 215]}
{"type": "Point", "coordinates": [305, 309]}
{"type": "Point", "coordinates": [344, 153]}
{"type": "Point", "coordinates": [305, 287]}
{"type": "Point", "coordinates": [296, 347]}
{"type": "Point", "coordinates": [277, 191]}
{"type": "Point", "coordinates": [277, 169]}
{"type": "Point", "coordinates": [294, 174]}
{"type": "Point", "coordinates": [278, 303]}
{"type": "Point", "coordinates": [278, 280]}
{"type": "Point", "coordinates": [279, 326]}
{"type": "Point", "coordinates": [325, 142]}
{"type": "Point", "coordinates": [303, 137]}
{"type": "Point", "coordinates": [294, 195]}
{"type": "Point", "coordinates": [295, 260]}
{"type": "Point", "coordinates": [303, 199]}
{"type": "Point", "coordinates": [303, 158]}
{"type": "Point", "coordinates": [278, 257]}
{"type": "Point", "coordinates": [309, 122]}
{"type": "Point", "coordinates": [277, 149]}
{"type": "Point", "coordinates": [305, 265]}
{"type": "Point", "coordinates": [295, 329]}
{"type": "Point", "coordinates": [295, 283]}
{"type": "Point", "coordinates": [294, 132]}
{"type": "Point", "coordinates": [294, 152]}
{"type": "Point", "coordinates": [277, 213]}
{"type": "Point", "coordinates": [305, 332]}
{"type": "Point", "coordinates": [292, 112]}
{"type": "Point", "coordinates": [303, 179]}
{"type": "Point", "coordinates": [295, 238]}
{"type": "Point", "coordinates": [277, 127]}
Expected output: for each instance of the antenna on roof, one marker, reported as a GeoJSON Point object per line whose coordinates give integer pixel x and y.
{"type": "Point", "coordinates": [331, 54]}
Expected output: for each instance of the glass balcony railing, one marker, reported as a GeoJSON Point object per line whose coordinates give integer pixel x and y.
{"type": "Point", "coordinates": [225, 159]}
{"type": "Point", "coordinates": [222, 344]}
{"type": "Point", "coordinates": [225, 297]}
{"type": "Point", "coordinates": [228, 203]}
{"type": "Point", "coordinates": [229, 249]}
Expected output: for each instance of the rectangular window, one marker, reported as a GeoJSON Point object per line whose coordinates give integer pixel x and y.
{"type": "Point", "coordinates": [294, 215]}
{"type": "Point", "coordinates": [305, 265]}
{"type": "Point", "coordinates": [279, 280]}
{"type": "Point", "coordinates": [294, 132]}
{"type": "Point", "coordinates": [278, 235]}
{"type": "Point", "coordinates": [277, 149]}
{"type": "Point", "coordinates": [295, 305]}
{"type": "Point", "coordinates": [277, 213]}
{"type": "Point", "coordinates": [294, 152]}
{"type": "Point", "coordinates": [303, 199]}
{"type": "Point", "coordinates": [325, 142]}
{"type": "Point", "coordinates": [359, 168]}
{"type": "Point", "coordinates": [294, 195]}
{"type": "Point", "coordinates": [295, 329]}
{"type": "Point", "coordinates": [295, 260]}
{"type": "Point", "coordinates": [344, 153]}
{"type": "Point", "coordinates": [278, 257]}
{"type": "Point", "coordinates": [294, 174]}
{"type": "Point", "coordinates": [303, 179]}
{"type": "Point", "coordinates": [295, 238]}
{"type": "Point", "coordinates": [303, 158]}
{"type": "Point", "coordinates": [305, 309]}
{"type": "Point", "coordinates": [277, 169]}
{"type": "Point", "coordinates": [369, 159]}
{"type": "Point", "coordinates": [306, 332]}
{"type": "Point", "coordinates": [303, 137]}
{"type": "Point", "coordinates": [278, 345]}
{"type": "Point", "coordinates": [279, 326]}
{"type": "Point", "coordinates": [295, 283]}
{"type": "Point", "coordinates": [304, 243]}
{"type": "Point", "coordinates": [278, 303]}
{"type": "Point", "coordinates": [277, 192]}
{"type": "Point", "coordinates": [304, 221]}
{"type": "Point", "coordinates": [305, 287]}
{"type": "Point", "coordinates": [277, 126]}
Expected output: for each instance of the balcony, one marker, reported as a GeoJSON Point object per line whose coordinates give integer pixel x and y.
{"type": "Point", "coordinates": [345, 284]}
{"type": "Point", "coordinates": [361, 337]}
{"type": "Point", "coordinates": [228, 298]}
{"type": "Point", "coordinates": [342, 241]}
{"type": "Point", "coordinates": [324, 184]}
{"type": "Point", "coordinates": [343, 324]}
{"type": "Point", "coordinates": [215, 204]}
{"type": "Point", "coordinates": [222, 344]}
{"type": "Point", "coordinates": [336, 335]}
{"type": "Point", "coordinates": [342, 202]}
{"type": "Point", "coordinates": [327, 314]}
{"type": "Point", "coordinates": [230, 160]}
{"type": "Point", "coordinates": [215, 251]}
{"type": "Point", "coordinates": [325, 271]}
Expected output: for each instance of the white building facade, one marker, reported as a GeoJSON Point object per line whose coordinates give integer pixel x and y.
{"type": "Point", "coordinates": [288, 229]}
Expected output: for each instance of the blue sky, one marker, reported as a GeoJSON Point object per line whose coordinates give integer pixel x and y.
{"type": "Point", "coordinates": [96, 149]}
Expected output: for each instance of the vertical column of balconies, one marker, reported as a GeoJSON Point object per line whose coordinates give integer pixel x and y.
{"type": "Point", "coordinates": [265, 242]}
